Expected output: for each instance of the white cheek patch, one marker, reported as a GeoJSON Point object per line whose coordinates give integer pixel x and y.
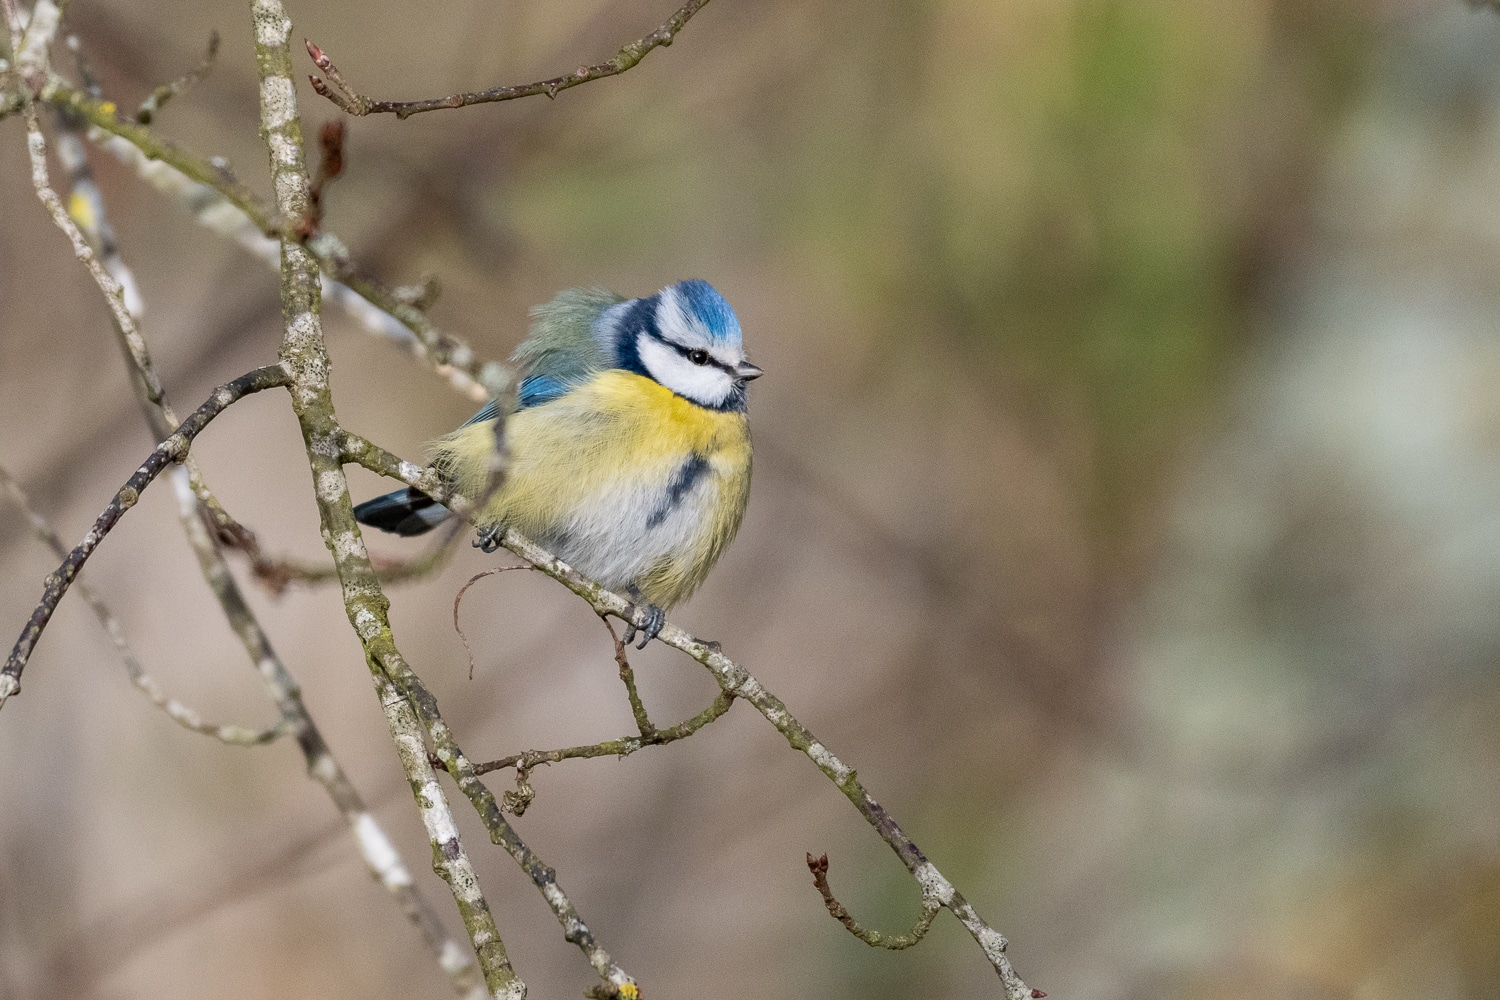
{"type": "Point", "coordinates": [703, 384]}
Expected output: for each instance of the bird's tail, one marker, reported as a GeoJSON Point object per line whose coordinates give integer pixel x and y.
{"type": "Point", "coordinates": [404, 512]}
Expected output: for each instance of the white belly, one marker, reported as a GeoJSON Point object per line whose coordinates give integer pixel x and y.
{"type": "Point", "coordinates": [619, 533]}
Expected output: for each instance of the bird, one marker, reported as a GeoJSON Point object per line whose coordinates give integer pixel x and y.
{"type": "Point", "coordinates": [628, 440]}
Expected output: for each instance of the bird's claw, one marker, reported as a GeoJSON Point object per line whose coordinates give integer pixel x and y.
{"type": "Point", "coordinates": [489, 539]}
{"type": "Point", "coordinates": [655, 619]}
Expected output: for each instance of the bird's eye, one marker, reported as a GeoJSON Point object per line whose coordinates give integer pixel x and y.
{"type": "Point", "coordinates": [698, 357]}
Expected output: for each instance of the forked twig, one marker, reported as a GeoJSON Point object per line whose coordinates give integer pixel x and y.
{"type": "Point", "coordinates": [622, 747]}
{"type": "Point", "coordinates": [333, 86]}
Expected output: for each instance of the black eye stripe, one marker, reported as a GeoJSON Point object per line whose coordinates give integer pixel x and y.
{"type": "Point", "coordinates": [712, 361]}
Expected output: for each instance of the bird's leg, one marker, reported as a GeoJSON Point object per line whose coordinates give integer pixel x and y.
{"type": "Point", "coordinates": [655, 619]}
{"type": "Point", "coordinates": [489, 538]}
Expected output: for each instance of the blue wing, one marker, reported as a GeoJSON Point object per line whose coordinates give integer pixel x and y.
{"type": "Point", "coordinates": [535, 390]}
{"type": "Point", "coordinates": [538, 389]}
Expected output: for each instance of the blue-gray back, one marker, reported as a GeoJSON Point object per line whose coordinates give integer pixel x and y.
{"type": "Point", "coordinates": [562, 350]}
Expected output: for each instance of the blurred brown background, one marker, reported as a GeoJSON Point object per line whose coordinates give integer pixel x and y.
{"type": "Point", "coordinates": [1127, 504]}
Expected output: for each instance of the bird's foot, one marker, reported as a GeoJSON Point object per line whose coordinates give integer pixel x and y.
{"type": "Point", "coordinates": [489, 538]}
{"type": "Point", "coordinates": [655, 619]}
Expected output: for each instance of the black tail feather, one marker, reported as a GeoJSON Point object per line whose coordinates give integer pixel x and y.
{"type": "Point", "coordinates": [405, 512]}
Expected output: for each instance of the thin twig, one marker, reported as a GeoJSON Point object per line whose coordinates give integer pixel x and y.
{"type": "Point", "coordinates": [459, 599]}
{"type": "Point", "coordinates": [622, 747]}
{"type": "Point", "coordinates": [627, 677]}
{"type": "Point", "coordinates": [895, 942]}
{"type": "Point", "coordinates": [332, 85]}
{"type": "Point", "coordinates": [174, 448]}
{"type": "Point", "coordinates": [161, 95]}
{"type": "Point", "coordinates": [179, 713]}
{"type": "Point", "coordinates": [222, 204]}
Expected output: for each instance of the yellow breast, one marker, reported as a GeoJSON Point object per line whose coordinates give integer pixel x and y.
{"type": "Point", "coordinates": [595, 475]}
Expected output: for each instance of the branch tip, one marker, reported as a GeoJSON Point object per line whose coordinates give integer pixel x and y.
{"type": "Point", "coordinates": [353, 102]}
{"type": "Point", "coordinates": [875, 939]}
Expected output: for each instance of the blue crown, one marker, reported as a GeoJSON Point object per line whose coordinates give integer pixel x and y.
{"type": "Point", "coordinates": [703, 303]}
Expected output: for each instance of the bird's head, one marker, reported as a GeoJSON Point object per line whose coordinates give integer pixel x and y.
{"type": "Point", "coordinates": [687, 338]}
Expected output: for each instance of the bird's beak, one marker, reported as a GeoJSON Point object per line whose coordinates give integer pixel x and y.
{"type": "Point", "coordinates": [745, 371]}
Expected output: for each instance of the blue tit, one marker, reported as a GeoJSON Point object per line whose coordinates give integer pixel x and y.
{"type": "Point", "coordinates": [629, 444]}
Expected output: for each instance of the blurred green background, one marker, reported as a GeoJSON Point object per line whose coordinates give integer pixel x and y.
{"type": "Point", "coordinates": [1127, 503]}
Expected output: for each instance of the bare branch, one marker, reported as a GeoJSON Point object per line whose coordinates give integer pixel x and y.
{"type": "Point", "coordinates": [411, 711]}
{"type": "Point", "coordinates": [895, 942]}
{"type": "Point", "coordinates": [181, 714]}
{"type": "Point", "coordinates": [333, 87]}
{"type": "Point", "coordinates": [622, 747]}
{"type": "Point", "coordinates": [627, 677]}
{"type": "Point", "coordinates": [161, 95]}
{"type": "Point", "coordinates": [221, 203]}
{"type": "Point", "coordinates": [174, 448]}
{"type": "Point", "coordinates": [736, 681]}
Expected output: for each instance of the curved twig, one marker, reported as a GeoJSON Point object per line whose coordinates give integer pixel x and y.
{"type": "Point", "coordinates": [459, 599]}
{"type": "Point", "coordinates": [895, 942]}
{"type": "Point", "coordinates": [332, 85]}
{"type": "Point", "coordinates": [184, 716]}
{"type": "Point", "coordinates": [174, 448]}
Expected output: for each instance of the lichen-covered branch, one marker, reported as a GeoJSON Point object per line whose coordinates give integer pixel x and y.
{"type": "Point", "coordinates": [87, 227]}
{"type": "Point", "coordinates": [332, 85]}
{"type": "Point", "coordinates": [380, 855]}
{"type": "Point", "coordinates": [174, 448]}
{"type": "Point", "coordinates": [411, 711]}
{"type": "Point", "coordinates": [734, 680]}
{"type": "Point", "coordinates": [622, 747]}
